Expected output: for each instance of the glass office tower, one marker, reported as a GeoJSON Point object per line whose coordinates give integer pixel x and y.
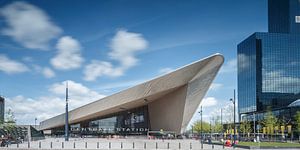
{"type": "Point", "coordinates": [269, 65]}
{"type": "Point", "coordinates": [2, 109]}
{"type": "Point", "coordinates": [284, 16]}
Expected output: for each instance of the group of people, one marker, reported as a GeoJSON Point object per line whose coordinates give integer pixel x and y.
{"type": "Point", "coordinates": [7, 140]}
{"type": "Point", "coordinates": [229, 143]}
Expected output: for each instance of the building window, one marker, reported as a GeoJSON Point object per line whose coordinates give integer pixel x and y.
{"type": "Point", "coordinates": [297, 19]}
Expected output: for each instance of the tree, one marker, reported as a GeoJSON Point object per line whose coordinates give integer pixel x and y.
{"type": "Point", "coordinates": [197, 127]}
{"type": "Point", "coordinates": [270, 121]}
{"type": "Point", "coordinates": [10, 118]}
{"type": "Point", "coordinates": [217, 127]}
{"type": "Point", "coordinates": [245, 127]}
{"type": "Point", "coordinates": [297, 118]}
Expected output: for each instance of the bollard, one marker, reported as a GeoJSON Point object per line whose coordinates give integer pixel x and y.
{"type": "Point", "coordinates": [133, 145]}
{"type": "Point", "coordinates": [121, 145]}
{"type": "Point", "coordinates": [168, 145]}
{"type": "Point", "coordinates": [51, 145]}
{"type": "Point", "coordinates": [223, 145]}
{"type": "Point", "coordinates": [74, 145]}
{"type": "Point", "coordinates": [109, 146]}
{"type": "Point", "coordinates": [97, 145]}
{"type": "Point", "coordinates": [17, 145]}
{"type": "Point", "coordinates": [62, 144]}
{"type": "Point", "coordinates": [156, 145]}
{"type": "Point", "coordinates": [201, 144]}
{"type": "Point", "coordinates": [40, 144]}
{"type": "Point", "coordinates": [179, 145]}
{"type": "Point", "coordinates": [28, 144]}
{"type": "Point", "coordinates": [85, 145]}
{"type": "Point", "coordinates": [212, 146]}
{"type": "Point", "coordinates": [191, 145]}
{"type": "Point", "coordinates": [145, 145]}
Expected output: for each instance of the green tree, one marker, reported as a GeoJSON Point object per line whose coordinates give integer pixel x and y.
{"type": "Point", "coordinates": [217, 127]}
{"type": "Point", "coordinates": [10, 118]}
{"type": "Point", "coordinates": [245, 127]}
{"type": "Point", "coordinates": [270, 121]}
{"type": "Point", "coordinates": [297, 118]}
{"type": "Point", "coordinates": [197, 127]}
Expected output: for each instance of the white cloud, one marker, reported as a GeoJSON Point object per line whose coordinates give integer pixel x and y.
{"type": "Point", "coordinates": [10, 66]}
{"type": "Point", "coordinates": [45, 71]}
{"type": "Point", "coordinates": [26, 109]}
{"type": "Point", "coordinates": [44, 107]}
{"type": "Point", "coordinates": [78, 94]}
{"type": "Point", "coordinates": [99, 68]}
{"type": "Point", "coordinates": [123, 46]}
{"type": "Point", "coordinates": [165, 70]}
{"type": "Point", "coordinates": [27, 59]}
{"type": "Point", "coordinates": [209, 101]}
{"type": "Point", "coordinates": [75, 89]}
{"type": "Point", "coordinates": [229, 67]}
{"type": "Point", "coordinates": [48, 73]}
{"type": "Point", "coordinates": [215, 86]}
{"type": "Point", "coordinates": [29, 25]}
{"type": "Point", "coordinates": [68, 55]}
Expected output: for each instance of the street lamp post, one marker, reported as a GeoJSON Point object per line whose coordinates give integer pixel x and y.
{"type": "Point", "coordinates": [192, 131]}
{"type": "Point", "coordinates": [210, 129]}
{"type": "Point", "coordinates": [201, 129]}
{"type": "Point", "coordinates": [35, 119]}
{"type": "Point", "coordinates": [234, 130]}
{"type": "Point", "coordinates": [67, 116]}
{"type": "Point", "coordinates": [222, 122]}
{"type": "Point", "coordinates": [254, 125]}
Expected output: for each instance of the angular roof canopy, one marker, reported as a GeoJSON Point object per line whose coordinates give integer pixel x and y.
{"type": "Point", "coordinates": [195, 78]}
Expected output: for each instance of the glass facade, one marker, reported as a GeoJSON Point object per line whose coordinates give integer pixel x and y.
{"type": "Point", "coordinates": [128, 122]}
{"type": "Point", "coordinates": [2, 100]}
{"type": "Point", "coordinates": [283, 16]}
{"type": "Point", "coordinates": [286, 114]}
{"type": "Point", "coordinates": [269, 63]}
{"type": "Point", "coordinates": [247, 75]}
{"type": "Point", "coordinates": [268, 71]}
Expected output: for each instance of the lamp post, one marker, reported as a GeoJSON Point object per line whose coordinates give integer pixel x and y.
{"type": "Point", "coordinates": [201, 129]}
{"type": "Point", "coordinates": [35, 119]}
{"type": "Point", "coordinates": [67, 116]}
{"type": "Point", "coordinates": [210, 129]}
{"type": "Point", "coordinates": [254, 125]}
{"type": "Point", "coordinates": [222, 123]}
{"type": "Point", "coordinates": [234, 130]}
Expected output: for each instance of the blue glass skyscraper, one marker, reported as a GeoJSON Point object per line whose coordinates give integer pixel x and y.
{"type": "Point", "coordinates": [269, 65]}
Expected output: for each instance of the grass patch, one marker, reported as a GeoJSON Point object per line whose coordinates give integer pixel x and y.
{"type": "Point", "coordinates": [269, 144]}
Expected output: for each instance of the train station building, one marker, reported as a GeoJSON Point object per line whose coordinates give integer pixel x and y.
{"type": "Point", "coordinates": [167, 103]}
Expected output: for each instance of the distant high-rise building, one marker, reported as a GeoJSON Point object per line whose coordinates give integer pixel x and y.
{"type": "Point", "coordinates": [1, 109]}
{"type": "Point", "coordinates": [284, 16]}
{"type": "Point", "coordinates": [269, 65]}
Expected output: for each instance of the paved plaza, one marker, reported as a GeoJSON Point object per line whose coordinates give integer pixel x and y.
{"type": "Point", "coordinates": [95, 143]}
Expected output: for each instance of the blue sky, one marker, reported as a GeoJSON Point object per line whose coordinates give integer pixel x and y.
{"type": "Point", "coordinates": [102, 47]}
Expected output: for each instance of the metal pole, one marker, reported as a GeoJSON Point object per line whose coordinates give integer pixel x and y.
{"type": "Point", "coordinates": [201, 126]}
{"type": "Point", "coordinates": [222, 122]}
{"type": "Point", "coordinates": [67, 116]}
{"type": "Point", "coordinates": [254, 125]}
{"type": "Point", "coordinates": [35, 119]}
{"type": "Point", "coordinates": [192, 131]}
{"type": "Point", "coordinates": [234, 132]}
{"type": "Point", "coordinates": [210, 128]}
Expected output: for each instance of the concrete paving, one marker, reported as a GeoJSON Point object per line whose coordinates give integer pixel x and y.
{"type": "Point", "coordinates": [98, 143]}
